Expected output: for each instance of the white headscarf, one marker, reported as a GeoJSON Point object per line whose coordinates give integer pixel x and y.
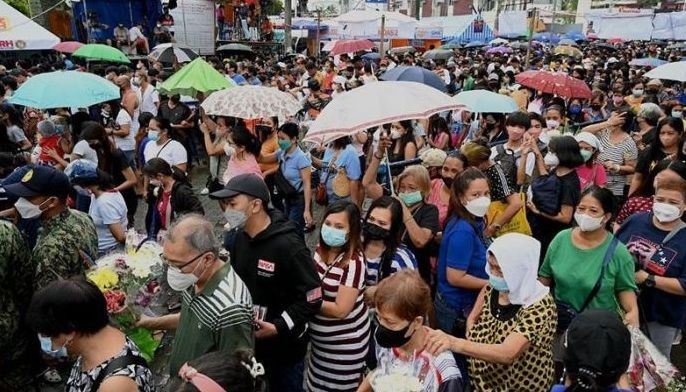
{"type": "Point", "coordinates": [517, 256]}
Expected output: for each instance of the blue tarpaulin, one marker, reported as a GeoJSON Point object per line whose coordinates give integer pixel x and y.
{"type": "Point", "coordinates": [104, 15]}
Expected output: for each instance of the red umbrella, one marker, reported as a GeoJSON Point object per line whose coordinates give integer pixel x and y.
{"type": "Point", "coordinates": [350, 46]}
{"type": "Point", "coordinates": [558, 83]}
{"type": "Point", "coordinates": [615, 40]}
{"type": "Point", "coordinates": [67, 46]}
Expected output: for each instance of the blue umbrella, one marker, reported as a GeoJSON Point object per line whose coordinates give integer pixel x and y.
{"type": "Point", "coordinates": [373, 56]}
{"type": "Point", "coordinates": [647, 62]}
{"type": "Point", "coordinates": [484, 101]}
{"type": "Point", "coordinates": [575, 36]}
{"type": "Point", "coordinates": [546, 37]}
{"type": "Point", "coordinates": [415, 74]}
{"type": "Point", "coordinates": [62, 89]}
{"type": "Point", "coordinates": [475, 44]}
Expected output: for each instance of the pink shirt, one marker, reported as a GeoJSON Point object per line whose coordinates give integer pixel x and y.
{"type": "Point", "coordinates": [237, 167]}
{"type": "Point", "coordinates": [435, 199]}
{"type": "Point", "coordinates": [587, 177]}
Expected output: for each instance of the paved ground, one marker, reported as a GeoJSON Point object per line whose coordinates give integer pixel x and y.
{"type": "Point", "coordinates": [214, 214]}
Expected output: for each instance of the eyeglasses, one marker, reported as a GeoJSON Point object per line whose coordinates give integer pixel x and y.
{"type": "Point", "coordinates": [166, 260]}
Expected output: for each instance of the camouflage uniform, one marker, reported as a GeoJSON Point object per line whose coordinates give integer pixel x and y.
{"type": "Point", "coordinates": [18, 345]}
{"type": "Point", "coordinates": [66, 246]}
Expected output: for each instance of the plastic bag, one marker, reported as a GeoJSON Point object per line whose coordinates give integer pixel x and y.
{"type": "Point", "coordinates": [648, 368]}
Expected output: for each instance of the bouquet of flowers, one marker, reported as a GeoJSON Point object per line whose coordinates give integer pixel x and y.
{"type": "Point", "coordinates": [397, 376]}
{"type": "Point", "coordinates": [129, 282]}
{"type": "Point", "coordinates": [649, 370]}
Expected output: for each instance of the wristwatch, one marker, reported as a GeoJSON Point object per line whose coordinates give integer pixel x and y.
{"type": "Point", "coordinates": [650, 281]}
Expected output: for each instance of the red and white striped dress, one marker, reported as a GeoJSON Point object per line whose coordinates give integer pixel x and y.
{"type": "Point", "coordinates": [339, 347]}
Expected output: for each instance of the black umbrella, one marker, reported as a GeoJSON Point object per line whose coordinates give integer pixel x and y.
{"type": "Point", "coordinates": [603, 45]}
{"type": "Point", "coordinates": [438, 54]}
{"type": "Point", "coordinates": [236, 49]}
{"type": "Point", "coordinates": [165, 53]}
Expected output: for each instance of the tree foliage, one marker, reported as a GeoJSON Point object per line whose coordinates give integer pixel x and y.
{"type": "Point", "coordinates": [20, 5]}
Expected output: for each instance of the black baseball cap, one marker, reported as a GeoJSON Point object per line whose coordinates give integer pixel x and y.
{"type": "Point", "coordinates": [41, 181]}
{"type": "Point", "coordinates": [598, 341]}
{"type": "Point", "coordinates": [245, 184]}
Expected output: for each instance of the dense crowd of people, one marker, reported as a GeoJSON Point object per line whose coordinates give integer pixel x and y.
{"type": "Point", "coordinates": [486, 252]}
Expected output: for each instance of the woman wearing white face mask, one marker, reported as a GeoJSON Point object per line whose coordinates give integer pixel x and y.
{"type": "Point", "coordinates": [462, 255]}
{"type": "Point", "coordinates": [658, 242]}
{"type": "Point", "coordinates": [574, 264]}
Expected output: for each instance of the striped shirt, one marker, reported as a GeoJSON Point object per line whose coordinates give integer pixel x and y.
{"type": "Point", "coordinates": [402, 259]}
{"type": "Point", "coordinates": [619, 154]}
{"type": "Point", "coordinates": [218, 318]}
{"type": "Point", "coordinates": [432, 371]}
{"type": "Point", "coordinates": [339, 346]}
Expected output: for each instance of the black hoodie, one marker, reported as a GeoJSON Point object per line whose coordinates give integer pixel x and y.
{"type": "Point", "coordinates": [280, 273]}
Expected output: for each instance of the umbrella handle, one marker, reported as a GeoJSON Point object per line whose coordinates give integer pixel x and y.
{"type": "Point", "coordinates": [390, 177]}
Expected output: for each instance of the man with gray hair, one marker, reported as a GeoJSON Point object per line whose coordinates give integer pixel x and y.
{"type": "Point", "coordinates": [647, 117]}
{"type": "Point", "coordinates": [216, 309]}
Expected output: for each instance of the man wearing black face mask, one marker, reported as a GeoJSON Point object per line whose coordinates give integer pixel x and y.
{"type": "Point", "coordinates": [68, 241]}
{"type": "Point", "coordinates": [274, 262]}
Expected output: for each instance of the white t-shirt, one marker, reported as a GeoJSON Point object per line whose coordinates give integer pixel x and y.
{"type": "Point", "coordinates": [105, 210]}
{"type": "Point", "coordinates": [148, 100]}
{"type": "Point", "coordinates": [85, 151]}
{"type": "Point", "coordinates": [135, 33]}
{"type": "Point", "coordinates": [126, 143]}
{"type": "Point", "coordinates": [171, 151]}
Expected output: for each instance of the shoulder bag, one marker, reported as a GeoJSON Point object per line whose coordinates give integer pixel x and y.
{"type": "Point", "coordinates": [566, 312]}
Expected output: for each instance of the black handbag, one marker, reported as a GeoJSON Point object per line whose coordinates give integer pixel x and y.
{"type": "Point", "coordinates": [566, 312]}
{"type": "Point", "coordinates": [285, 188]}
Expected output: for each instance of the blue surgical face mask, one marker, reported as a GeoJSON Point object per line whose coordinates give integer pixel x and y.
{"type": "Point", "coordinates": [498, 283]}
{"type": "Point", "coordinates": [46, 347]}
{"type": "Point", "coordinates": [410, 198]}
{"type": "Point", "coordinates": [334, 237]}
{"type": "Point", "coordinates": [154, 135]}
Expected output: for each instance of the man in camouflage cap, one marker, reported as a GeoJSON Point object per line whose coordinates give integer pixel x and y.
{"type": "Point", "coordinates": [18, 344]}
{"type": "Point", "coordinates": [67, 242]}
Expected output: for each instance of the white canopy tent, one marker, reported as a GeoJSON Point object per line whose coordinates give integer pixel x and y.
{"type": "Point", "coordinates": [367, 24]}
{"type": "Point", "coordinates": [18, 32]}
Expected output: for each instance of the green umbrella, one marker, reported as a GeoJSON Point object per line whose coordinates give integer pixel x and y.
{"type": "Point", "coordinates": [101, 52]}
{"type": "Point", "coordinates": [196, 76]}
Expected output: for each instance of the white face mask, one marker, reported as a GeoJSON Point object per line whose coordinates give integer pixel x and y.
{"type": "Point", "coordinates": [552, 124]}
{"type": "Point", "coordinates": [637, 92]}
{"type": "Point", "coordinates": [478, 206]}
{"type": "Point", "coordinates": [588, 223]}
{"type": "Point", "coordinates": [26, 209]}
{"type": "Point", "coordinates": [180, 281]}
{"type": "Point", "coordinates": [395, 134]}
{"type": "Point", "coordinates": [666, 213]}
{"type": "Point", "coordinates": [551, 160]}
{"type": "Point", "coordinates": [155, 182]}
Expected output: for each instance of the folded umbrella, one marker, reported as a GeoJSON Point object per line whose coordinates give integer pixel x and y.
{"type": "Point", "coordinates": [61, 89]}
{"type": "Point", "coordinates": [415, 74]}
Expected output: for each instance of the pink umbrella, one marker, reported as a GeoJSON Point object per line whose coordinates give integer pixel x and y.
{"type": "Point", "coordinates": [499, 50]}
{"type": "Point", "coordinates": [67, 46]}
{"type": "Point", "coordinates": [350, 46]}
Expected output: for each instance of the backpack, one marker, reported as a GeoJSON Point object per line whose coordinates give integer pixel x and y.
{"type": "Point", "coordinates": [545, 192]}
{"type": "Point", "coordinates": [507, 159]}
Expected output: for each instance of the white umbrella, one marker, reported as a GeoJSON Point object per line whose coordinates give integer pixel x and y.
{"type": "Point", "coordinates": [375, 104]}
{"type": "Point", "coordinates": [250, 102]}
{"type": "Point", "coordinates": [671, 71]}
{"type": "Point", "coordinates": [498, 41]}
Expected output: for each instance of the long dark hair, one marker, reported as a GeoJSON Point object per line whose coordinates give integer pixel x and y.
{"type": "Point", "coordinates": [14, 117]}
{"type": "Point", "coordinates": [655, 148]}
{"type": "Point", "coordinates": [438, 125]}
{"type": "Point", "coordinates": [354, 243]}
{"type": "Point", "coordinates": [646, 188]}
{"type": "Point", "coordinates": [243, 138]}
{"type": "Point", "coordinates": [393, 240]}
{"type": "Point", "coordinates": [95, 131]}
{"type": "Point", "coordinates": [157, 166]}
{"type": "Point", "coordinates": [407, 138]}
{"type": "Point", "coordinates": [460, 186]}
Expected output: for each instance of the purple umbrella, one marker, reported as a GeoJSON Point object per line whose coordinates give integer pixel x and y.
{"type": "Point", "coordinates": [499, 50]}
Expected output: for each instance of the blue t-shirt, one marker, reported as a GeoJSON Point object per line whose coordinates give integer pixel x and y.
{"type": "Point", "coordinates": [402, 259]}
{"type": "Point", "coordinates": [239, 79]}
{"type": "Point", "coordinates": [562, 388]}
{"type": "Point", "coordinates": [644, 241]}
{"type": "Point", "coordinates": [291, 165]}
{"type": "Point", "coordinates": [347, 159]}
{"type": "Point", "coordinates": [463, 249]}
